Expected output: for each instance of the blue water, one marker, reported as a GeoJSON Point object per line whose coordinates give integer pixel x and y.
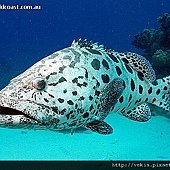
{"type": "Point", "coordinates": [27, 36]}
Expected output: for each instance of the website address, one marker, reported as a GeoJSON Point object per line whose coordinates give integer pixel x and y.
{"type": "Point", "coordinates": [20, 7]}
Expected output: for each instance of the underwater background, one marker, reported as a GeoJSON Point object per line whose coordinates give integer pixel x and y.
{"type": "Point", "coordinates": [27, 36]}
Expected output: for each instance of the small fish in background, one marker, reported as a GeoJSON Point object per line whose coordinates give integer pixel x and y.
{"type": "Point", "coordinates": [79, 86]}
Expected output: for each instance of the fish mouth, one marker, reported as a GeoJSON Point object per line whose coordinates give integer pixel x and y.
{"type": "Point", "coordinates": [13, 112]}
{"type": "Point", "coordinates": [28, 109]}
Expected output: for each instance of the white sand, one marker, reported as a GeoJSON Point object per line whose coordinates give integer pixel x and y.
{"type": "Point", "coordinates": [130, 141]}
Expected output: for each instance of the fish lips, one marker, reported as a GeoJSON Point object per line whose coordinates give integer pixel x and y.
{"type": "Point", "coordinates": [42, 114]}
{"type": "Point", "coordinates": [10, 111]}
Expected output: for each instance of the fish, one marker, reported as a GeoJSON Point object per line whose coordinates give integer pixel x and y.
{"type": "Point", "coordinates": [79, 86]}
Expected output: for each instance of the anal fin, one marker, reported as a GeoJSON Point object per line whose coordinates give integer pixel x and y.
{"type": "Point", "coordinates": [140, 113]}
{"type": "Point", "coordinates": [100, 127]}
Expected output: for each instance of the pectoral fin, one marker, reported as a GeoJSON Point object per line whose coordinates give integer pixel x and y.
{"type": "Point", "coordinates": [100, 127]}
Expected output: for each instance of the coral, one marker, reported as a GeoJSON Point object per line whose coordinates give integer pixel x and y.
{"type": "Point", "coordinates": [151, 40]}
{"type": "Point", "coordinates": [164, 21]}
{"type": "Point", "coordinates": [161, 58]}
{"type": "Point", "coordinates": [156, 43]}
{"type": "Point", "coordinates": [144, 40]}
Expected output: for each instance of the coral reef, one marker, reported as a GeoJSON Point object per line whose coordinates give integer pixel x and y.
{"type": "Point", "coordinates": [156, 43]}
{"type": "Point", "coordinates": [161, 58]}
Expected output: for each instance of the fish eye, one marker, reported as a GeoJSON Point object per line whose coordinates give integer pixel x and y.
{"type": "Point", "coordinates": [39, 83]}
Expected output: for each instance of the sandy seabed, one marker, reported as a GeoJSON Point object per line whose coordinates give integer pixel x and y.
{"type": "Point", "coordinates": [130, 141]}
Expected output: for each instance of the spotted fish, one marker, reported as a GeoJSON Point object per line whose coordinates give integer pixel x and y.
{"type": "Point", "coordinates": [79, 86]}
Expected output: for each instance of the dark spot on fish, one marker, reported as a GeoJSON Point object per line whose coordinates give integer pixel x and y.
{"type": "Point", "coordinates": [154, 99]}
{"type": "Point", "coordinates": [158, 91]}
{"type": "Point", "coordinates": [136, 101]}
{"type": "Point", "coordinates": [95, 64]}
{"type": "Point", "coordinates": [72, 64]}
{"type": "Point", "coordinates": [65, 91]}
{"type": "Point", "coordinates": [132, 84]}
{"type": "Point", "coordinates": [140, 89]}
{"type": "Point", "coordinates": [82, 98]}
{"type": "Point", "coordinates": [68, 115]}
{"type": "Point", "coordinates": [74, 93]}
{"type": "Point", "coordinates": [53, 84]}
{"type": "Point", "coordinates": [97, 84]}
{"type": "Point", "coordinates": [53, 55]}
{"type": "Point", "coordinates": [86, 74]}
{"type": "Point", "coordinates": [46, 100]}
{"type": "Point", "coordinates": [105, 78]}
{"type": "Point", "coordinates": [91, 108]}
{"type": "Point", "coordinates": [118, 70]}
{"type": "Point", "coordinates": [61, 69]}
{"type": "Point", "coordinates": [85, 84]}
{"type": "Point", "coordinates": [75, 80]}
{"type": "Point", "coordinates": [80, 77]}
{"type": "Point", "coordinates": [84, 53]}
{"type": "Point", "coordinates": [114, 58]}
{"type": "Point", "coordinates": [165, 88]}
{"type": "Point", "coordinates": [53, 73]}
{"type": "Point", "coordinates": [140, 75]}
{"type": "Point", "coordinates": [150, 90]}
{"type": "Point", "coordinates": [130, 97]}
{"type": "Point", "coordinates": [99, 105]}
{"type": "Point", "coordinates": [155, 83]}
{"type": "Point", "coordinates": [121, 99]}
{"type": "Point", "coordinates": [61, 100]}
{"type": "Point", "coordinates": [139, 100]}
{"type": "Point", "coordinates": [128, 68]}
{"type": "Point", "coordinates": [93, 51]}
{"type": "Point", "coordinates": [51, 95]}
{"type": "Point", "coordinates": [62, 79]}
{"type": "Point", "coordinates": [163, 97]}
{"type": "Point", "coordinates": [70, 102]}
{"type": "Point", "coordinates": [47, 77]}
{"type": "Point", "coordinates": [105, 64]}
{"type": "Point", "coordinates": [85, 115]}
{"type": "Point", "coordinates": [124, 85]}
{"type": "Point", "coordinates": [125, 60]}
{"type": "Point", "coordinates": [55, 109]}
{"type": "Point", "coordinates": [67, 57]}
{"type": "Point", "coordinates": [146, 99]}
{"type": "Point", "coordinates": [128, 112]}
{"type": "Point", "coordinates": [90, 97]}
{"type": "Point", "coordinates": [97, 93]}
{"type": "Point", "coordinates": [63, 111]}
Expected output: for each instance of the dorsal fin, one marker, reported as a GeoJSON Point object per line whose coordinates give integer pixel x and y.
{"type": "Point", "coordinates": [135, 61]}
{"type": "Point", "coordinates": [90, 45]}
{"type": "Point", "coordinates": [140, 64]}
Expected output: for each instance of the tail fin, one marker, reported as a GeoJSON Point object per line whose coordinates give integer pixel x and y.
{"type": "Point", "coordinates": [161, 96]}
